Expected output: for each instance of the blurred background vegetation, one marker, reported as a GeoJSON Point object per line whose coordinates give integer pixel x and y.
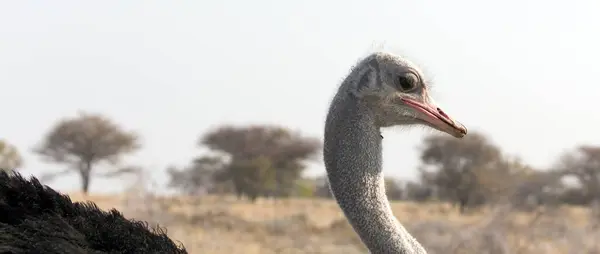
{"type": "Point", "coordinates": [469, 179]}
{"type": "Point", "coordinates": [206, 117]}
{"type": "Point", "coordinates": [268, 161]}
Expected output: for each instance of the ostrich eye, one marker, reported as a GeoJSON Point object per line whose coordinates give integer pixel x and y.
{"type": "Point", "coordinates": [406, 84]}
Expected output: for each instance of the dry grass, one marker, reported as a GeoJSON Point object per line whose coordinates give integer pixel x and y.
{"type": "Point", "coordinates": [224, 225]}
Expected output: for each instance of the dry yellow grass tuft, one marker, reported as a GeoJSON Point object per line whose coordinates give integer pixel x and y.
{"type": "Point", "coordinates": [218, 224]}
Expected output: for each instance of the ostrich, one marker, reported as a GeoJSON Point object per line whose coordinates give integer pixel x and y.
{"type": "Point", "coordinates": [383, 90]}
{"type": "Point", "coordinates": [36, 219]}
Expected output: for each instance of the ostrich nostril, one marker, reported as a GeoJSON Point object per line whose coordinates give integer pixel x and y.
{"type": "Point", "coordinates": [439, 110]}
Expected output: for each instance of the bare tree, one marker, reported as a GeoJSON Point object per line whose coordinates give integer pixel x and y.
{"type": "Point", "coordinates": [10, 159]}
{"type": "Point", "coordinates": [85, 141]}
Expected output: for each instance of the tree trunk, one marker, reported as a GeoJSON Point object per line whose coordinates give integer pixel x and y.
{"type": "Point", "coordinates": [462, 205]}
{"type": "Point", "coordinates": [85, 170]}
{"type": "Point", "coordinates": [253, 197]}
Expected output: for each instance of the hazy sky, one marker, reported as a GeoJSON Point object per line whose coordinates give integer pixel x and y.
{"type": "Point", "coordinates": [523, 72]}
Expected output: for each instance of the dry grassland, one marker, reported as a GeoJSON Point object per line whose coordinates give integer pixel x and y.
{"type": "Point", "coordinates": [224, 225]}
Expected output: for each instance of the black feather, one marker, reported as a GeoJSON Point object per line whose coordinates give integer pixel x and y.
{"type": "Point", "coordinates": [36, 219]}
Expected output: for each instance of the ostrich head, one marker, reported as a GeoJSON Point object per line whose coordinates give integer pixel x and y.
{"type": "Point", "coordinates": [396, 92]}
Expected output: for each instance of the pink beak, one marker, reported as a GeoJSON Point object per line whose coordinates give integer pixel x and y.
{"type": "Point", "coordinates": [437, 118]}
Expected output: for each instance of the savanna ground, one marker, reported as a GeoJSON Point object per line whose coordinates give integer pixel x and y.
{"type": "Point", "coordinates": [219, 224]}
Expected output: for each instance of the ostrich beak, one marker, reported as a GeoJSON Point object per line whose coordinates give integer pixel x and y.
{"type": "Point", "coordinates": [436, 117]}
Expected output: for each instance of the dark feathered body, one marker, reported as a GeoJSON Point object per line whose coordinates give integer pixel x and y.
{"type": "Point", "coordinates": [36, 219]}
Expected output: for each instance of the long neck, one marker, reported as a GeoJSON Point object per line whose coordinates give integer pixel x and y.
{"type": "Point", "coordinates": [352, 153]}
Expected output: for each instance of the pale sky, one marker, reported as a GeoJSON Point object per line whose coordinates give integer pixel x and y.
{"type": "Point", "coordinates": [523, 72]}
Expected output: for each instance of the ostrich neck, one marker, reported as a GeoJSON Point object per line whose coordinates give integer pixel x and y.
{"type": "Point", "coordinates": [352, 154]}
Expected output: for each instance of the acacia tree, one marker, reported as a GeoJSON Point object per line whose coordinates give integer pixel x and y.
{"type": "Point", "coordinates": [85, 141]}
{"type": "Point", "coordinates": [10, 159]}
{"type": "Point", "coordinates": [253, 177]}
{"type": "Point", "coordinates": [459, 169]}
{"type": "Point", "coordinates": [198, 178]}
{"type": "Point", "coordinates": [249, 149]}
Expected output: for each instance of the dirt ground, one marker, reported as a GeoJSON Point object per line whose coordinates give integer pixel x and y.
{"type": "Point", "coordinates": [218, 224]}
